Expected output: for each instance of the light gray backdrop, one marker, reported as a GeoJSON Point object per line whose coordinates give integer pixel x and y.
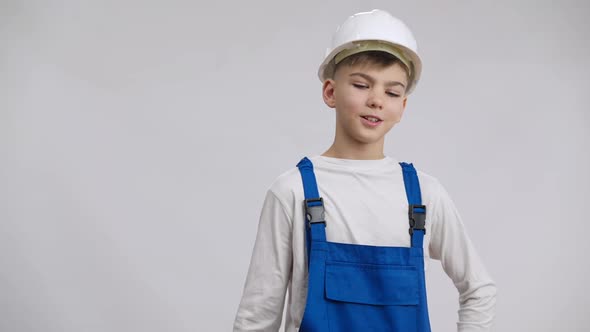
{"type": "Point", "coordinates": [137, 140]}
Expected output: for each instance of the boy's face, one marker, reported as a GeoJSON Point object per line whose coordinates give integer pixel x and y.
{"type": "Point", "coordinates": [359, 91]}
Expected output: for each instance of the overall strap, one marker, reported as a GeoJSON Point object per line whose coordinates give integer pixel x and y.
{"type": "Point", "coordinates": [315, 225]}
{"type": "Point", "coordinates": [416, 211]}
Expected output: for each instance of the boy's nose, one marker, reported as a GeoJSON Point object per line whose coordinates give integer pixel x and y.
{"type": "Point", "coordinates": [374, 102]}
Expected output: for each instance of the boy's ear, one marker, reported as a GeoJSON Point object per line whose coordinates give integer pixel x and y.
{"type": "Point", "coordinates": [405, 102]}
{"type": "Point", "coordinates": [328, 93]}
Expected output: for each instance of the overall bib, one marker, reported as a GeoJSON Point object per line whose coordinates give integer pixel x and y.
{"type": "Point", "coordinates": [357, 288]}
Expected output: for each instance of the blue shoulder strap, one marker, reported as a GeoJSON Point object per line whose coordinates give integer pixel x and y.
{"type": "Point", "coordinates": [315, 225]}
{"type": "Point", "coordinates": [416, 211]}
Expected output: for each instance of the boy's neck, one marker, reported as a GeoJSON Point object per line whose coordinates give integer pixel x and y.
{"type": "Point", "coordinates": [356, 154]}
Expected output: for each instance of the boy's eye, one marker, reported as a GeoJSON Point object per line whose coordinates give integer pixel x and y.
{"type": "Point", "coordinates": [359, 85]}
{"type": "Point", "coordinates": [392, 94]}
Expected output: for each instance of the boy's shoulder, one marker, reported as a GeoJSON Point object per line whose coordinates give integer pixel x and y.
{"type": "Point", "coordinates": [288, 184]}
{"type": "Point", "coordinates": [427, 179]}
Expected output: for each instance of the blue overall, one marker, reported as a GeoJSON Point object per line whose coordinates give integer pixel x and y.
{"type": "Point", "coordinates": [361, 287]}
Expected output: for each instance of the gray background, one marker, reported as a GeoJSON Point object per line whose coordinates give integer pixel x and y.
{"type": "Point", "coordinates": [137, 139]}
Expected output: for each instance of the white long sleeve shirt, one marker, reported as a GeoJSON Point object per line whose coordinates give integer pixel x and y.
{"type": "Point", "coordinates": [365, 203]}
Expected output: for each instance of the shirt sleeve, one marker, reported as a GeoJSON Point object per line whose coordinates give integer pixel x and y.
{"type": "Point", "coordinates": [261, 306]}
{"type": "Point", "coordinates": [451, 245]}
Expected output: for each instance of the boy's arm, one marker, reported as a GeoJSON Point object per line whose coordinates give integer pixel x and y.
{"type": "Point", "coordinates": [261, 306]}
{"type": "Point", "coordinates": [451, 245]}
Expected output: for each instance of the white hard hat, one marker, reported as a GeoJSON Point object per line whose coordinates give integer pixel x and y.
{"type": "Point", "coordinates": [376, 30]}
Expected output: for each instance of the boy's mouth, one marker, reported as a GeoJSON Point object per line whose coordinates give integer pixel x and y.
{"type": "Point", "coordinates": [371, 121]}
{"type": "Point", "coordinates": [370, 118]}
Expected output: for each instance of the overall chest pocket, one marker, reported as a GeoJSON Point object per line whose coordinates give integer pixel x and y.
{"type": "Point", "coordinates": [368, 297]}
{"type": "Point", "coordinates": [372, 284]}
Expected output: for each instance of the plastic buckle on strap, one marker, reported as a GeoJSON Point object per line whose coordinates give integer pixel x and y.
{"type": "Point", "coordinates": [417, 215]}
{"type": "Point", "coordinates": [314, 214]}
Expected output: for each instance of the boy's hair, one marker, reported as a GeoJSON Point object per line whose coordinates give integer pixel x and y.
{"type": "Point", "coordinates": [378, 59]}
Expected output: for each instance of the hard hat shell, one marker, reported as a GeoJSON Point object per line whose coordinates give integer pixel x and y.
{"type": "Point", "coordinates": [392, 35]}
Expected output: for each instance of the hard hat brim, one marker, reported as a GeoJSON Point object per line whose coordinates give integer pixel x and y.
{"type": "Point", "coordinates": [327, 67]}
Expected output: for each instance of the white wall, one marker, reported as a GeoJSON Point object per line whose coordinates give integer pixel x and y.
{"type": "Point", "coordinates": [137, 139]}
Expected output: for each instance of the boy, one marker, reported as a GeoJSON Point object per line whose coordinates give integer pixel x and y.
{"type": "Point", "coordinates": [348, 232]}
